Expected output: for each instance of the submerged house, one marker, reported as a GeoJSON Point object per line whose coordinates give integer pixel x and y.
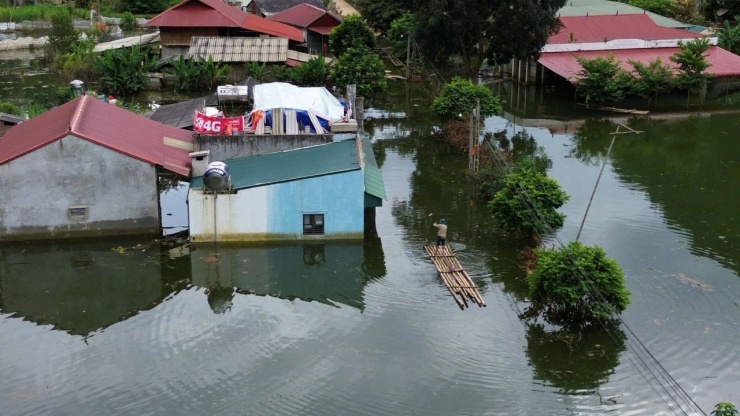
{"type": "Point", "coordinates": [315, 22]}
{"type": "Point", "coordinates": [213, 18]}
{"type": "Point", "coordinates": [86, 168]}
{"type": "Point", "coordinates": [327, 191]}
{"type": "Point", "coordinates": [267, 8]}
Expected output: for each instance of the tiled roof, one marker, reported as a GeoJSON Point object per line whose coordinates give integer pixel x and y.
{"type": "Point", "coordinates": [599, 28]}
{"type": "Point", "coordinates": [271, 7]}
{"type": "Point", "coordinates": [106, 125]}
{"type": "Point", "coordinates": [606, 7]}
{"type": "Point", "coordinates": [565, 64]}
{"type": "Point", "coordinates": [303, 15]}
{"type": "Point", "coordinates": [239, 49]}
{"type": "Point", "coordinates": [290, 165]}
{"type": "Point", "coordinates": [216, 13]}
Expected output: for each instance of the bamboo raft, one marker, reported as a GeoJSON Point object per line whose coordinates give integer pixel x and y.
{"type": "Point", "coordinates": [458, 282]}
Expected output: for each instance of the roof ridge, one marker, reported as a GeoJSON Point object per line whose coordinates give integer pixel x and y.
{"type": "Point", "coordinates": [77, 114]}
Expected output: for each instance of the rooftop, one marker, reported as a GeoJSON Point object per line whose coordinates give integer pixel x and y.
{"type": "Point", "coordinates": [303, 15]}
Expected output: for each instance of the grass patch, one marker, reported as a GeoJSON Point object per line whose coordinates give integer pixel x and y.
{"type": "Point", "coordinates": [38, 12]}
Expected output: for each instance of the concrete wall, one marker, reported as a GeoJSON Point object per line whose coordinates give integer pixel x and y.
{"type": "Point", "coordinates": [230, 147]}
{"type": "Point", "coordinates": [37, 190]}
{"type": "Point", "coordinates": [275, 212]}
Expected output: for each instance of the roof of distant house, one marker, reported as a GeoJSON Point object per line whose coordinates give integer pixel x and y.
{"type": "Point", "coordinates": [270, 7]}
{"type": "Point", "coordinates": [303, 15]}
{"type": "Point", "coordinates": [581, 29]}
{"type": "Point", "coordinates": [106, 125]}
{"type": "Point", "coordinates": [612, 8]}
{"type": "Point", "coordinates": [216, 13]}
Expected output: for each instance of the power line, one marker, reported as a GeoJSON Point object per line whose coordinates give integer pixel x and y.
{"type": "Point", "coordinates": [648, 361]}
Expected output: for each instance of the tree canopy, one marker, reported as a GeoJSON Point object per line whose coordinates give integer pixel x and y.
{"type": "Point", "coordinates": [380, 14]}
{"type": "Point", "coordinates": [482, 30]}
{"type": "Point", "coordinates": [353, 32]}
{"type": "Point", "coordinates": [460, 96]}
{"type": "Point", "coordinates": [361, 67]}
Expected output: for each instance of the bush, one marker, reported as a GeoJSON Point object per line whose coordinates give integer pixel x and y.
{"type": "Point", "coordinates": [124, 71]}
{"type": "Point", "coordinates": [401, 29]}
{"type": "Point", "coordinates": [527, 203]}
{"type": "Point", "coordinates": [361, 67]}
{"type": "Point", "coordinates": [602, 80]}
{"type": "Point", "coordinates": [724, 409]}
{"type": "Point", "coordinates": [459, 96]}
{"type": "Point", "coordinates": [128, 22]}
{"type": "Point", "coordinates": [63, 34]}
{"type": "Point", "coordinates": [143, 6]}
{"type": "Point", "coordinates": [353, 32]}
{"type": "Point", "coordinates": [10, 108]}
{"type": "Point", "coordinates": [195, 74]}
{"type": "Point", "coordinates": [313, 73]}
{"type": "Point", "coordinates": [576, 285]}
{"type": "Point", "coordinates": [651, 80]}
{"type": "Point", "coordinates": [79, 63]}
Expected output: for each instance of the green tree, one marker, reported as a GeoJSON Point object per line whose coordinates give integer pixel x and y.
{"type": "Point", "coordinates": [9, 108]}
{"type": "Point", "coordinates": [576, 285]}
{"type": "Point", "coordinates": [719, 10]}
{"type": "Point", "coordinates": [380, 14]}
{"type": "Point", "coordinates": [692, 66]}
{"type": "Point", "coordinates": [729, 36]}
{"type": "Point", "coordinates": [661, 7]}
{"type": "Point", "coordinates": [602, 79]}
{"type": "Point", "coordinates": [312, 73]}
{"type": "Point", "coordinates": [124, 71]}
{"type": "Point", "coordinates": [652, 79]}
{"type": "Point", "coordinates": [459, 96]}
{"type": "Point", "coordinates": [128, 22]}
{"type": "Point", "coordinates": [724, 409]}
{"type": "Point", "coordinates": [353, 32]}
{"type": "Point", "coordinates": [401, 29]}
{"type": "Point", "coordinates": [361, 67]}
{"type": "Point", "coordinates": [63, 34]}
{"type": "Point", "coordinates": [477, 31]}
{"type": "Point", "coordinates": [527, 203]}
{"type": "Point", "coordinates": [197, 74]}
{"type": "Point", "coordinates": [686, 11]}
{"type": "Point", "coordinates": [143, 6]}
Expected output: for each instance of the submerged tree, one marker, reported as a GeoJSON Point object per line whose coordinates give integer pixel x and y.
{"type": "Point", "coordinates": [353, 32]}
{"type": "Point", "coordinates": [480, 31]}
{"type": "Point", "coordinates": [459, 96]}
{"type": "Point", "coordinates": [651, 80]}
{"type": "Point", "coordinates": [527, 203]}
{"type": "Point", "coordinates": [361, 67]}
{"type": "Point", "coordinates": [602, 79]}
{"type": "Point", "coordinates": [576, 285]}
{"type": "Point", "coordinates": [692, 65]}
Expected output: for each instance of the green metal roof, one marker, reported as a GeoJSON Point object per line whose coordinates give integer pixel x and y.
{"type": "Point", "coordinates": [289, 165]}
{"type": "Point", "coordinates": [373, 176]}
{"type": "Point", "coordinates": [605, 7]}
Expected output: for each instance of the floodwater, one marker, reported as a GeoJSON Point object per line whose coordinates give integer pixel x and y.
{"type": "Point", "coordinates": [366, 328]}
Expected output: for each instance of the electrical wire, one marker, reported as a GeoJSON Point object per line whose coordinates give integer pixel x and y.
{"type": "Point", "coordinates": [646, 359]}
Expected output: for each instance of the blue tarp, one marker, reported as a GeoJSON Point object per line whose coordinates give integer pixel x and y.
{"type": "Point", "coordinates": [301, 117]}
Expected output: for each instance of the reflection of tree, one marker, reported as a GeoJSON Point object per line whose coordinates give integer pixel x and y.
{"type": "Point", "coordinates": [574, 361]}
{"type": "Point", "coordinates": [592, 140]}
{"type": "Point", "coordinates": [688, 167]}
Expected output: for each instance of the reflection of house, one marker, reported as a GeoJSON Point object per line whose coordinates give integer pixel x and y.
{"type": "Point", "coordinates": [213, 18]}
{"type": "Point", "coordinates": [315, 192]}
{"type": "Point", "coordinates": [80, 286]}
{"type": "Point", "coordinates": [315, 22]}
{"type": "Point", "coordinates": [331, 273]}
{"type": "Point", "coordinates": [267, 8]}
{"type": "Point", "coordinates": [86, 168]}
{"type": "Point", "coordinates": [629, 37]}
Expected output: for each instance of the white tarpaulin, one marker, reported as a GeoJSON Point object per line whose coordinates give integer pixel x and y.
{"type": "Point", "coordinates": [284, 95]}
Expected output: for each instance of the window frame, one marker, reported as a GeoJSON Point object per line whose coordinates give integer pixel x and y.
{"type": "Point", "coordinates": [314, 224]}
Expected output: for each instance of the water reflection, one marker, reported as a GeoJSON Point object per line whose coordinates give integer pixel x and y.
{"type": "Point", "coordinates": [332, 273]}
{"type": "Point", "coordinates": [574, 362]}
{"type": "Point", "coordinates": [687, 167]}
{"type": "Point", "coordinates": [82, 286]}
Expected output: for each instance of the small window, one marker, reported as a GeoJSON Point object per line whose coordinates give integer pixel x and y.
{"type": "Point", "coordinates": [77, 212]}
{"type": "Point", "coordinates": [313, 224]}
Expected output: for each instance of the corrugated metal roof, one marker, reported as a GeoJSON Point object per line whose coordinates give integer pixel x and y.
{"type": "Point", "coordinates": [303, 15]}
{"type": "Point", "coordinates": [598, 28]}
{"type": "Point", "coordinates": [271, 7]}
{"type": "Point", "coordinates": [216, 13]}
{"type": "Point", "coordinates": [605, 7]}
{"type": "Point", "coordinates": [127, 42]}
{"type": "Point", "coordinates": [565, 64]}
{"type": "Point", "coordinates": [106, 125]}
{"type": "Point", "coordinates": [290, 165]}
{"type": "Point", "coordinates": [374, 184]}
{"type": "Point", "coordinates": [180, 114]}
{"type": "Point", "coordinates": [223, 49]}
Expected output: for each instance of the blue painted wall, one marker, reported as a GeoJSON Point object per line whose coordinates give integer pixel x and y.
{"type": "Point", "coordinates": [340, 197]}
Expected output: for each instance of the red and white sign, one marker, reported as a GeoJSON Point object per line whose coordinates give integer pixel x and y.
{"type": "Point", "coordinates": [217, 125]}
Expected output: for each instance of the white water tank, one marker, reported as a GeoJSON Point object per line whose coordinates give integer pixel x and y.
{"type": "Point", "coordinates": [217, 177]}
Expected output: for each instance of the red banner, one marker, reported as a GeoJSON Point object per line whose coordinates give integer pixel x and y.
{"type": "Point", "coordinates": [217, 125]}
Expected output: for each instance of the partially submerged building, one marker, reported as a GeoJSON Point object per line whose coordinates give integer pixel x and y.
{"type": "Point", "coordinates": [86, 168]}
{"type": "Point", "coordinates": [327, 191]}
{"type": "Point", "coordinates": [315, 22]}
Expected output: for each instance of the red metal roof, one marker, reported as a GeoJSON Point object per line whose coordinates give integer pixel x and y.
{"type": "Point", "coordinates": [724, 63]}
{"type": "Point", "coordinates": [580, 29]}
{"type": "Point", "coordinates": [216, 13]}
{"type": "Point", "coordinates": [106, 125]}
{"type": "Point", "coordinates": [303, 15]}
{"type": "Point", "coordinates": [324, 30]}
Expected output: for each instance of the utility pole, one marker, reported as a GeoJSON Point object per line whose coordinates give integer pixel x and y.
{"type": "Point", "coordinates": [408, 56]}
